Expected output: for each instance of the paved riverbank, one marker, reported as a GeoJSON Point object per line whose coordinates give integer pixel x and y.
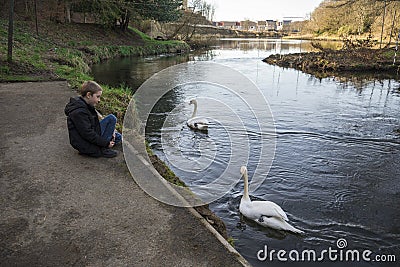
{"type": "Point", "coordinates": [61, 209]}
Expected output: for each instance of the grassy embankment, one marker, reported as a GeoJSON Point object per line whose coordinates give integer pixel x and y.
{"type": "Point", "coordinates": [66, 52]}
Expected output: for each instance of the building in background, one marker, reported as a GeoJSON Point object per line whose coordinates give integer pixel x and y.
{"type": "Point", "coordinates": [262, 26]}
{"type": "Point", "coordinates": [248, 25]}
{"type": "Point", "coordinates": [229, 25]}
{"type": "Point", "coordinates": [271, 25]}
{"type": "Point", "coordinates": [259, 26]}
{"type": "Point", "coordinates": [284, 25]}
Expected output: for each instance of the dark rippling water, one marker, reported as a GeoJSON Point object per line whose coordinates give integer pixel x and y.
{"type": "Point", "coordinates": [337, 161]}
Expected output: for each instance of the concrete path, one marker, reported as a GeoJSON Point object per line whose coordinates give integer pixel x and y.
{"type": "Point", "coordinates": [62, 209]}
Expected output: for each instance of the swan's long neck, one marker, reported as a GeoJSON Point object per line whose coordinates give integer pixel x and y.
{"type": "Point", "coordinates": [246, 186]}
{"type": "Point", "coordinates": [195, 109]}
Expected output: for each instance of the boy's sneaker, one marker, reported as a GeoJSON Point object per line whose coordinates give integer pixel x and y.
{"type": "Point", "coordinates": [108, 153]}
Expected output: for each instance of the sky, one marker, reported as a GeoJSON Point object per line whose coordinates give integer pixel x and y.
{"type": "Point", "coordinates": [236, 10]}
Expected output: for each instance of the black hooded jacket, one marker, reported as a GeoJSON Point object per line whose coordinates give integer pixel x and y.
{"type": "Point", "coordinates": [84, 128]}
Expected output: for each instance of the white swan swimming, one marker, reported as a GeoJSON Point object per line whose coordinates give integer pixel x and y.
{"type": "Point", "coordinates": [265, 213]}
{"type": "Point", "coordinates": [197, 123]}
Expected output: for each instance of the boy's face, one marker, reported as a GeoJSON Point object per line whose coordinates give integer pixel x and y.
{"type": "Point", "coordinates": [94, 99]}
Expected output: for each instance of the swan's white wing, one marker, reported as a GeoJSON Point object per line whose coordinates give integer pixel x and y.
{"type": "Point", "coordinates": [198, 123]}
{"type": "Point", "coordinates": [277, 223]}
{"type": "Point", "coordinates": [269, 209]}
{"type": "Point", "coordinates": [198, 120]}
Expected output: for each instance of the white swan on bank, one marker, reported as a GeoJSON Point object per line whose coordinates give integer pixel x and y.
{"type": "Point", "coordinates": [265, 213]}
{"type": "Point", "coordinates": [197, 123]}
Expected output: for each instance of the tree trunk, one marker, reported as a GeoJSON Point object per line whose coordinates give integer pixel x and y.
{"type": "Point", "coordinates": [125, 24]}
{"type": "Point", "coordinates": [383, 24]}
{"type": "Point", "coordinates": [179, 28]}
{"type": "Point", "coordinates": [36, 19]}
{"type": "Point", "coordinates": [10, 31]}
{"type": "Point", "coordinates": [391, 29]}
{"type": "Point", "coordinates": [397, 48]}
{"type": "Point", "coordinates": [124, 21]}
{"type": "Point", "coordinates": [68, 12]}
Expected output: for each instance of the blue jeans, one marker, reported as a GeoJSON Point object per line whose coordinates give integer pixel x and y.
{"type": "Point", "coordinates": [107, 126]}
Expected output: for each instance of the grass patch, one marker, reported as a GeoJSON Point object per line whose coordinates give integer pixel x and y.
{"type": "Point", "coordinates": [388, 54]}
{"type": "Point", "coordinates": [141, 34]}
{"type": "Point", "coordinates": [4, 70]}
{"type": "Point", "coordinates": [115, 100]}
{"type": "Point", "coordinates": [156, 47]}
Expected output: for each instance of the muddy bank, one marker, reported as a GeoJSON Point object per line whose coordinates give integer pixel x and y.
{"type": "Point", "coordinates": [340, 62]}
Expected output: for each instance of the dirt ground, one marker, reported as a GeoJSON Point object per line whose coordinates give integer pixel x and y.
{"type": "Point", "coordinates": [61, 209]}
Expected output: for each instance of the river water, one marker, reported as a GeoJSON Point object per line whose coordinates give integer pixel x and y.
{"type": "Point", "coordinates": [336, 165]}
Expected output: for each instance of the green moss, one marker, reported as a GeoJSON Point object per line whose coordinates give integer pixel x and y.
{"type": "Point", "coordinates": [148, 149]}
{"type": "Point", "coordinates": [231, 241]}
{"type": "Point", "coordinates": [163, 169]}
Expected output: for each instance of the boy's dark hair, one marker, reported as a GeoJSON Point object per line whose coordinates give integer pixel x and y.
{"type": "Point", "coordinates": [90, 87]}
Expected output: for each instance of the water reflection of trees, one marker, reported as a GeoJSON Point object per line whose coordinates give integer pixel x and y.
{"type": "Point", "coordinates": [205, 55]}
{"type": "Point", "coordinates": [277, 45]}
{"type": "Point", "coordinates": [160, 112]}
{"type": "Point", "coordinates": [246, 45]}
{"type": "Point", "coordinates": [133, 71]}
{"type": "Point", "coordinates": [360, 82]}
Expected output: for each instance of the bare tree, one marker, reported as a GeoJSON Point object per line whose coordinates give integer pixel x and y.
{"type": "Point", "coordinates": [10, 32]}
{"type": "Point", "coordinates": [355, 17]}
{"type": "Point", "coordinates": [197, 13]}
